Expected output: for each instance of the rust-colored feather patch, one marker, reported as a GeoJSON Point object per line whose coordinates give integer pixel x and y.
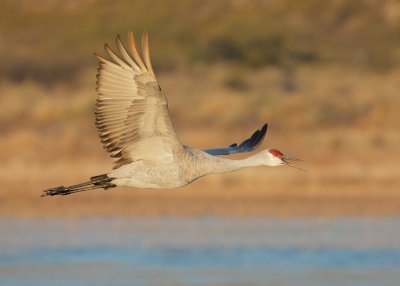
{"type": "Point", "coordinates": [276, 153]}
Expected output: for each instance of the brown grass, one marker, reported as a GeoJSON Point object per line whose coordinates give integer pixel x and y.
{"type": "Point", "coordinates": [344, 122]}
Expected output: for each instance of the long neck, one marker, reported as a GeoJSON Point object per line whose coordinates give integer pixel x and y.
{"type": "Point", "coordinates": [222, 165]}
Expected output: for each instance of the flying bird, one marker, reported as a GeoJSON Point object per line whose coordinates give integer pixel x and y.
{"type": "Point", "coordinates": [135, 128]}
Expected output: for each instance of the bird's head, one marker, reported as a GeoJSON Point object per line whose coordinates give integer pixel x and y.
{"type": "Point", "coordinates": [275, 157]}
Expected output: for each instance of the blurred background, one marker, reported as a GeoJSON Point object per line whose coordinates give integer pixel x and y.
{"type": "Point", "coordinates": [325, 75]}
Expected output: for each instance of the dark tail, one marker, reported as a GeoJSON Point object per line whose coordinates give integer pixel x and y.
{"type": "Point", "coordinates": [96, 182]}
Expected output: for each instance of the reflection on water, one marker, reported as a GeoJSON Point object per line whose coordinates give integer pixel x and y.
{"type": "Point", "coordinates": [200, 251]}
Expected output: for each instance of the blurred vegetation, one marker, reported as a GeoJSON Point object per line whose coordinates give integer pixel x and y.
{"type": "Point", "coordinates": [53, 40]}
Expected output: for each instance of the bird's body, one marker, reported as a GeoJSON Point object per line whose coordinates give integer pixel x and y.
{"type": "Point", "coordinates": [135, 128]}
{"type": "Point", "coordinates": [187, 165]}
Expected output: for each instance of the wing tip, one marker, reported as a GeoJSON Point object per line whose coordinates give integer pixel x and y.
{"type": "Point", "coordinates": [264, 128]}
{"type": "Point", "coordinates": [138, 59]}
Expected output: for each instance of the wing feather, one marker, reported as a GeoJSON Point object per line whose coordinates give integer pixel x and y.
{"type": "Point", "coordinates": [246, 146]}
{"type": "Point", "coordinates": [134, 51]}
{"type": "Point", "coordinates": [115, 58]}
{"type": "Point", "coordinates": [131, 110]}
{"type": "Point", "coordinates": [124, 54]}
{"type": "Point", "coordinates": [146, 52]}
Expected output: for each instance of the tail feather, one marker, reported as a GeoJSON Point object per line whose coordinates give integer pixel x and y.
{"type": "Point", "coordinates": [96, 182]}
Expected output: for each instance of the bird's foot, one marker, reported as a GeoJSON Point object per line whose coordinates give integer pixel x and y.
{"type": "Point", "coordinates": [56, 191]}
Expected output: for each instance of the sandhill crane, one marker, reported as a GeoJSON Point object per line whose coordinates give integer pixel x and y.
{"type": "Point", "coordinates": [135, 128]}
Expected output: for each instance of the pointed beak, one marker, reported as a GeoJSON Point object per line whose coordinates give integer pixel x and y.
{"type": "Point", "coordinates": [286, 158]}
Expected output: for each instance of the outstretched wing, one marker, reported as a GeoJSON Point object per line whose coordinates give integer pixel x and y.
{"type": "Point", "coordinates": [131, 110]}
{"type": "Point", "coordinates": [246, 146]}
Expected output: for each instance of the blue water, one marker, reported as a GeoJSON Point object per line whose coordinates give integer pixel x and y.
{"type": "Point", "coordinates": [200, 251]}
